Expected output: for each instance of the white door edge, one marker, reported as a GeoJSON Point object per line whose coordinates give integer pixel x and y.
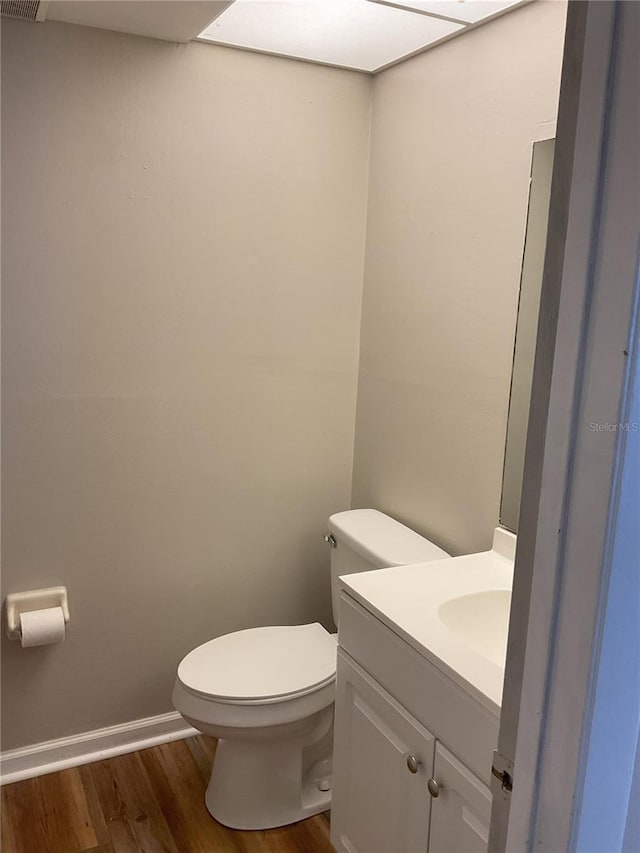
{"type": "Point", "coordinates": [569, 502]}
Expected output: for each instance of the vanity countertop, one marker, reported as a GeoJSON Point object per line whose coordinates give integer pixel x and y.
{"type": "Point", "coordinates": [455, 612]}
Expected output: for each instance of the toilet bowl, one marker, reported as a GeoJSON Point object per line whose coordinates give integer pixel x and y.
{"type": "Point", "coordinates": [267, 694]}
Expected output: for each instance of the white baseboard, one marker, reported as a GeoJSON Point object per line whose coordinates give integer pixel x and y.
{"type": "Point", "coordinates": [30, 761]}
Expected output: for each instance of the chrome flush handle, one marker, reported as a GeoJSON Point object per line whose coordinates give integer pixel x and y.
{"type": "Point", "coordinates": [330, 540]}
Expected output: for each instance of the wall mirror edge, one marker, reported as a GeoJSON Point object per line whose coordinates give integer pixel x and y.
{"type": "Point", "coordinates": [526, 330]}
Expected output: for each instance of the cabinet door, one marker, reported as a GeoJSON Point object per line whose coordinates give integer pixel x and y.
{"type": "Point", "coordinates": [461, 812]}
{"type": "Point", "coordinates": [378, 804]}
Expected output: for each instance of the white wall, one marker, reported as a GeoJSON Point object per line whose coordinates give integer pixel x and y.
{"type": "Point", "coordinates": [183, 240]}
{"type": "Point", "coordinates": [451, 151]}
{"type": "Point", "coordinates": [183, 237]}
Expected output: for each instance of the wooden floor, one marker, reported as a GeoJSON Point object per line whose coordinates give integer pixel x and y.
{"type": "Point", "coordinates": [145, 802]}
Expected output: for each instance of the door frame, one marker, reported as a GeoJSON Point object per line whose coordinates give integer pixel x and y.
{"type": "Point", "coordinates": [570, 513]}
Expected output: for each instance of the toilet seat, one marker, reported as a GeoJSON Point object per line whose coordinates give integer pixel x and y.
{"type": "Point", "coordinates": [261, 665]}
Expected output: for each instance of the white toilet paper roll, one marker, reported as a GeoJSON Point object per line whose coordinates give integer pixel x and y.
{"type": "Point", "coordinates": [42, 627]}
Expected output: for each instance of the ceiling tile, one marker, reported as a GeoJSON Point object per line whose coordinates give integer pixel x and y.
{"type": "Point", "coordinates": [354, 34]}
{"type": "Point", "coordinates": [469, 11]}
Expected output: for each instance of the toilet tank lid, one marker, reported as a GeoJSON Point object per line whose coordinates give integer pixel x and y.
{"type": "Point", "coordinates": [382, 540]}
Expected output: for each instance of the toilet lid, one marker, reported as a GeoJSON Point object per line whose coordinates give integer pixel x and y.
{"type": "Point", "coordinates": [261, 663]}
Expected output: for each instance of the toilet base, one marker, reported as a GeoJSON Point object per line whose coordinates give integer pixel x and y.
{"type": "Point", "coordinates": [265, 783]}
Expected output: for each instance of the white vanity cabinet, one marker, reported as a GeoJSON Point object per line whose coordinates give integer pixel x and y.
{"type": "Point", "coordinates": [379, 805]}
{"type": "Point", "coordinates": [398, 734]}
{"type": "Point", "coordinates": [462, 811]}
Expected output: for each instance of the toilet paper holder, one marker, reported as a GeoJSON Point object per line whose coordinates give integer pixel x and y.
{"type": "Point", "coordinates": [34, 599]}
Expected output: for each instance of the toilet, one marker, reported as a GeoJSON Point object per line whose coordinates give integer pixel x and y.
{"type": "Point", "coordinates": [267, 693]}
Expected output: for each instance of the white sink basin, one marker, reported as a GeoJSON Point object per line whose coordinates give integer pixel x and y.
{"type": "Point", "coordinates": [480, 619]}
{"type": "Point", "coordinates": [455, 612]}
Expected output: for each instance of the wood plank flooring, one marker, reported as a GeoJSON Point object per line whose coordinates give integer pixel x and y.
{"type": "Point", "coordinates": [145, 802]}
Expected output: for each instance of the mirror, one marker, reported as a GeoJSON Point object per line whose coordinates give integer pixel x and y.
{"type": "Point", "coordinates": [526, 330]}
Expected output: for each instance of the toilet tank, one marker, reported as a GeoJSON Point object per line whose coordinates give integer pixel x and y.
{"type": "Point", "coordinates": [366, 539]}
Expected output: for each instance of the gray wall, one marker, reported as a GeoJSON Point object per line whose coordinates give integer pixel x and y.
{"type": "Point", "coordinates": [183, 237]}
{"type": "Point", "coordinates": [451, 150]}
{"type": "Point", "coordinates": [183, 249]}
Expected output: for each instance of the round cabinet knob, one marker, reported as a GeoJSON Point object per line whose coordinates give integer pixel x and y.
{"type": "Point", "coordinates": [413, 763]}
{"type": "Point", "coordinates": [433, 788]}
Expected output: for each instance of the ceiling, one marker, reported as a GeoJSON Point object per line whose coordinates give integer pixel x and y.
{"type": "Point", "coordinates": [363, 35]}
{"type": "Point", "coordinates": [171, 20]}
